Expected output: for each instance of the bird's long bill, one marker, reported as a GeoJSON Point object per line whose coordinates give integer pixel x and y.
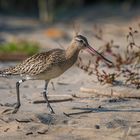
{"type": "Point", "coordinates": [93, 51]}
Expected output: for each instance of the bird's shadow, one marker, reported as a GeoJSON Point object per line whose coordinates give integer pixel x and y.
{"type": "Point", "coordinates": [52, 119]}
{"type": "Point", "coordinates": [46, 119]}
{"type": "Point", "coordinates": [98, 110]}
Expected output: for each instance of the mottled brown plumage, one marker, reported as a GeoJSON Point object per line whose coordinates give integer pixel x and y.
{"type": "Point", "coordinates": [42, 66]}
{"type": "Point", "coordinates": [48, 65]}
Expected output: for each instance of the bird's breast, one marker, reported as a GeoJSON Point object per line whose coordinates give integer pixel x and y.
{"type": "Point", "coordinates": [58, 67]}
{"type": "Point", "coordinates": [51, 73]}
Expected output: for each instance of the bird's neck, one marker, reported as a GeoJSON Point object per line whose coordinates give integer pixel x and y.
{"type": "Point", "coordinates": [72, 52]}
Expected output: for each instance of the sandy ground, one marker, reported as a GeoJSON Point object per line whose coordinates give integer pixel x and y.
{"type": "Point", "coordinates": [90, 115]}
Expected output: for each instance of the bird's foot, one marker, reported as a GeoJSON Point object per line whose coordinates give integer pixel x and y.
{"type": "Point", "coordinates": [15, 110]}
{"type": "Point", "coordinates": [11, 111]}
{"type": "Point", "coordinates": [9, 105]}
{"type": "Point", "coordinates": [51, 110]}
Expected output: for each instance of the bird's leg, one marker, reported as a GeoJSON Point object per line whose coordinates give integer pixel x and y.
{"type": "Point", "coordinates": [18, 95]}
{"type": "Point", "coordinates": [45, 92]}
{"type": "Point", "coordinates": [18, 98]}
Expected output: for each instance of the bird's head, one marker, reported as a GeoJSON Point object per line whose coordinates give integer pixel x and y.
{"type": "Point", "coordinates": [81, 43]}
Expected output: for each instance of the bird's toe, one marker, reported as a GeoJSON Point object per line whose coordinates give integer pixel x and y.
{"type": "Point", "coordinates": [7, 111]}
{"type": "Point", "coordinates": [9, 104]}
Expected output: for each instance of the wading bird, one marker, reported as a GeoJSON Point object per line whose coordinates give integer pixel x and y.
{"type": "Point", "coordinates": [48, 65]}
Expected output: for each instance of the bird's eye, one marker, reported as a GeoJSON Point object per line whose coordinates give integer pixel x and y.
{"type": "Point", "coordinates": [81, 41]}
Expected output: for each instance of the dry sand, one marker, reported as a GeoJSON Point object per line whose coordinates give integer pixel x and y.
{"type": "Point", "coordinates": [90, 117]}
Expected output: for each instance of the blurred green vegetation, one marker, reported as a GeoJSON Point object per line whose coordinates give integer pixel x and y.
{"type": "Point", "coordinates": [20, 47]}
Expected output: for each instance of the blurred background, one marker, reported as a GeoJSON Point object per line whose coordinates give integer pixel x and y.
{"type": "Point", "coordinates": [35, 25]}
{"type": "Point", "coordinates": [48, 10]}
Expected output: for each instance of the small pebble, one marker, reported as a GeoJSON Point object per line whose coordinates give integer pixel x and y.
{"type": "Point", "coordinates": [97, 126]}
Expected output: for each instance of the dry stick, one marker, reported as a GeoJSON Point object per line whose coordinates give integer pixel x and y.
{"type": "Point", "coordinates": [29, 133]}
{"type": "Point", "coordinates": [3, 120]}
{"type": "Point", "coordinates": [43, 132]}
{"type": "Point", "coordinates": [6, 129]}
{"type": "Point", "coordinates": [24, 121]}
{"type": "Point", "coordinates": [111, 93]}
{"type": "Point", "coordinates": [6, 110]}
{"type": "Point", "coordinates": [77, 113]}
{"type": "Point", "coordinates": [52, 101]}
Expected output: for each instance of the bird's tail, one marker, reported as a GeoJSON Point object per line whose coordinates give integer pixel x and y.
{"type": "Point", "coordinates": [2, 74]}
{"type": "Point", "coordinates": [6, 72]}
